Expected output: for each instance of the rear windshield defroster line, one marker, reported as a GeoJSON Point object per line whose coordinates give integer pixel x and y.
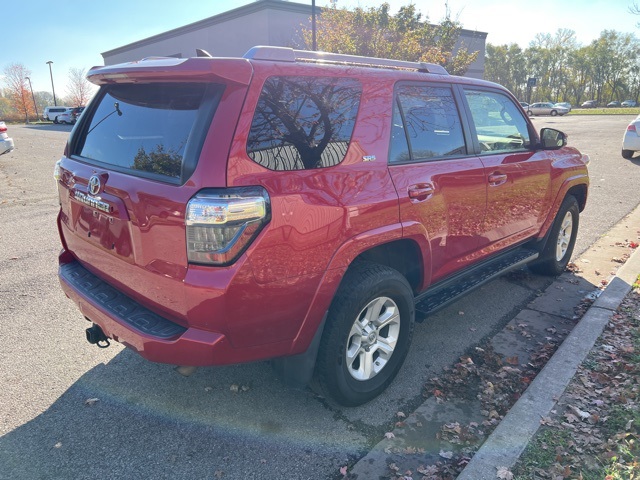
{"type": "Point", "coordinates": [148, 130]}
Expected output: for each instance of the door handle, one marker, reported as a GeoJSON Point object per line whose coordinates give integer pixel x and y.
{"type": "Point", "coordinates": [496, 179]}
{"type": "Point", "coordinates": [420, 191]}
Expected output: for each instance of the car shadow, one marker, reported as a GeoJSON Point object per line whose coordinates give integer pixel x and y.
{"type": "Point", "coordinates": [50, 127]}
{"type": "Point", "coordinates": [136, 419]}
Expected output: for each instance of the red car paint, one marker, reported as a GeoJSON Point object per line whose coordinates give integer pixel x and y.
{"type": "Point", "coordinates": [451, 214]}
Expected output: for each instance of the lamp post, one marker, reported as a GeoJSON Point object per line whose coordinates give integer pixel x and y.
{"type": "Point", "coordinates": [33, 97]}
{"type": "Point", "coordinates": [52, 87]}
{"type": "Point", "coordinates": [314, 43]}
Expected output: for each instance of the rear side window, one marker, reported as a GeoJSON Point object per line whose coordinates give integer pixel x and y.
{"type": "Point", "coordinates": [147, 130]}
{"type": "Point", "coordinates": [302, 123]}
{"type": "Point", "coordinates": [426, 124]}
{"type": "Point", "coordinates": [499, 124]}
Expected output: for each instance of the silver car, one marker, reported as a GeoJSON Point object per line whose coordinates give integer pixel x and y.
{"type": "Point", "coordinates": [6, 142]}
{"type": "Point", "coordinates": [546, 108]}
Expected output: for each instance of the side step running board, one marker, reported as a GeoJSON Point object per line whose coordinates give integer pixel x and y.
{"type": "Point", "coordinates": [442, 294]}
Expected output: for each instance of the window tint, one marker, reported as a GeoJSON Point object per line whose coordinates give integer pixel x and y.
{"type": "Point", "coordinates": [143, 128]}
{"type": "Point", "coordinates": [499, 124]}
{"type": "Point", "coordinates": [303, 122]}
{"type": "Point", "coordinates": [431, 124]}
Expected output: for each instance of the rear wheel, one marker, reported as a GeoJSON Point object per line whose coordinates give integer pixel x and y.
{"type": "Point", "coordinates": [628, 154]}
{"type": "Point", "coordinates": [562, 238]}
{"type": "Point", "coordinates": [554, 113]}
{"type": "Point", "coordinates": [367, 335]}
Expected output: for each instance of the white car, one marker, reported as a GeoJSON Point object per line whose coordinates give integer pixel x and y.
{"type": "Point", "coordinates": [631, 139]}
{"type": "Point", "coordinates": [6, 142]}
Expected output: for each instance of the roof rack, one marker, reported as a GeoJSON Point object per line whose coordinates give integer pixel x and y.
{"type": "Point", "coordinates": [285, 54]}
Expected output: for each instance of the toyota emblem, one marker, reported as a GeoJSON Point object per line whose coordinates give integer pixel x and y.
{"type": "Point", "coordinates": [94, 185]}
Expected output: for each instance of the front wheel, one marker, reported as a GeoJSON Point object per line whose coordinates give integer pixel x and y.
{"type": "Point", "coordinates": [557, 252]}
{"type": "Point", "coordinates": [367, 335]}
{"type": "Point", "coordinates": [554, 113]}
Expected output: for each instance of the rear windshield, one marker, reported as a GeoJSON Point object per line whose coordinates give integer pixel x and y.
{"type": "Point", "coordinates": [148, 130]}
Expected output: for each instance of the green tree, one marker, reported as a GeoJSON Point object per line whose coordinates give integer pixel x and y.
{"type": "Point", "coordinates": [506, 65]}
{"type": "Point", "coordinates": [374, 32]}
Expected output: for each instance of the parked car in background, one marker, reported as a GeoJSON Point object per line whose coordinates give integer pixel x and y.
{"type": "Point", "coordinates": [249, 209]}
{"type": "Point", "coordinates": [589, 104]}
{"type": "Point", "coordinates": [546, 108]}
{"type": "Point", "coordinates": [628, 103]}
{"type": "Point", "coordinates": [613, 104]}
{"type": "Point", "coordinates": [70, 116]}
{"type": "Point", "coordinates": [631, 139]}
{"type": "Point", "coordinates": [564, 104]}
{"type": "Point", "coordinates": [51, 113]}
{"type": "Point", "coordinates": [6, 142]}
{"type": "Point", "coordinates": [525, 105]}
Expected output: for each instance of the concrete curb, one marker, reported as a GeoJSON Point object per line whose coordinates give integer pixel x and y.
{"type": "Point", "coordinates": [507, 442]}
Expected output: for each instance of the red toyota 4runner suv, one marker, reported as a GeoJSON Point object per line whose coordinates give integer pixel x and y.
{"type": "Point", "coordinates": [301, 207]}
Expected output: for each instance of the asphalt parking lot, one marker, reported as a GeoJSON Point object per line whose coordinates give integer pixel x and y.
{"type": "Point", "coordinates": [71, 410]}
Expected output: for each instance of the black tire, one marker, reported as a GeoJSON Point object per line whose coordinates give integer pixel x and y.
{"type": "Point", "coordinates": [554, 113]}
{"type": "Point", "coordinates": [628, 154]}
{"type": "Point", "coordinates": [530, 113]}
{"type": "Point", "coordinates": [557, 252]}
{"type": "Point", "coordinates": [385, 294]}
{"type": "Point", "coordinates": [55, 120]}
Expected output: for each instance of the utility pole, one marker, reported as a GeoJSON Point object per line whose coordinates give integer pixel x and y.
{"type": "Point", "coordinates": [52, 87]}
{"type": "Point", "coordinates": [34, 98]}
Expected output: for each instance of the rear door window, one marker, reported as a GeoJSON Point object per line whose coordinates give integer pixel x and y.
{"type": "Point", "coordinates": [426, 124]}
{"type": "Point", "coordinates": [303, 123]}
{"type": "Point", "coordinates": [150, 130]}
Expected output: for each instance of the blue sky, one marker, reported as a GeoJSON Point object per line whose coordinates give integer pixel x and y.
{"type": "Point", "coordinates": [74, 33]}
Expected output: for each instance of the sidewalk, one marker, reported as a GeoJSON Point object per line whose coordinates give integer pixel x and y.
{"type": "Point", "coordinates": [509, 439]}
{"type": "Point", "coordinates": [419, 437]}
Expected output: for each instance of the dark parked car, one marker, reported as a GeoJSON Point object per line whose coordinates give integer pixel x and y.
{"type": "Point", "coordinates": [589, 104]}
{"type": "Point", "coordinates": [613, 104]}
{"type": "Point", "coordinates": [302, 207]}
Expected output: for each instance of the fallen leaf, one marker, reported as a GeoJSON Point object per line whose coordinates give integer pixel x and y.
{"type": "Point", "coordinates": [504, 473]}
{"type": "Point", "coordinates": [389, 435]}
{"type": "Point", "coordinates": [447, 455]}
{"type": "Point", "coordinates": [91, 401]}
{"type": "Point", "coordinates": [512, 360]}
{"type": "Point", "coordinates": [343, 471]}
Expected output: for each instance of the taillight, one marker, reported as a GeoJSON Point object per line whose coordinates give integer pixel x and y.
{"type": "Point", "coordinates": [221, 223]}
{"type": "Point", "coordinates": [631, 128]}
{"type": "Point", "coordinates": [3, 129]}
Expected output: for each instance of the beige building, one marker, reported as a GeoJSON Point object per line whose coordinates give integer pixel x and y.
{"type": "Point", "coordinates": [232, 33]}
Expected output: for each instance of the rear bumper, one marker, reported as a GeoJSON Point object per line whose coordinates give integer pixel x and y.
{"type": "Point", "coordinates": [154, 337]}
{"type": "Point", "coordinates": [6, 145]}
{"type": "Point", "coordinates": [631, 141]}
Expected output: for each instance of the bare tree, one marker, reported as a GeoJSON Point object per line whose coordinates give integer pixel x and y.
{"type": "Point", "coordinates": [15, 78]}
{"type": "Point", "coordinates": [79, 89]}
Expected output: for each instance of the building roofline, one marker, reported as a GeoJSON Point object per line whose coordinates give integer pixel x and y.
{"type": "Point", "coordinates": [250, 8]}
{"type": "Point", "coordinates": [216, 19]}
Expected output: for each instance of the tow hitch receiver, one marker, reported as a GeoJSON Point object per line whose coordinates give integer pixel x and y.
{"type": "Point", "coordinates": [96, 336]}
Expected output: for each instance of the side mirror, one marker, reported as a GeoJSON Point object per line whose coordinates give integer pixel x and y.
{"type": "Point", "coordinates": [552, 139]}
